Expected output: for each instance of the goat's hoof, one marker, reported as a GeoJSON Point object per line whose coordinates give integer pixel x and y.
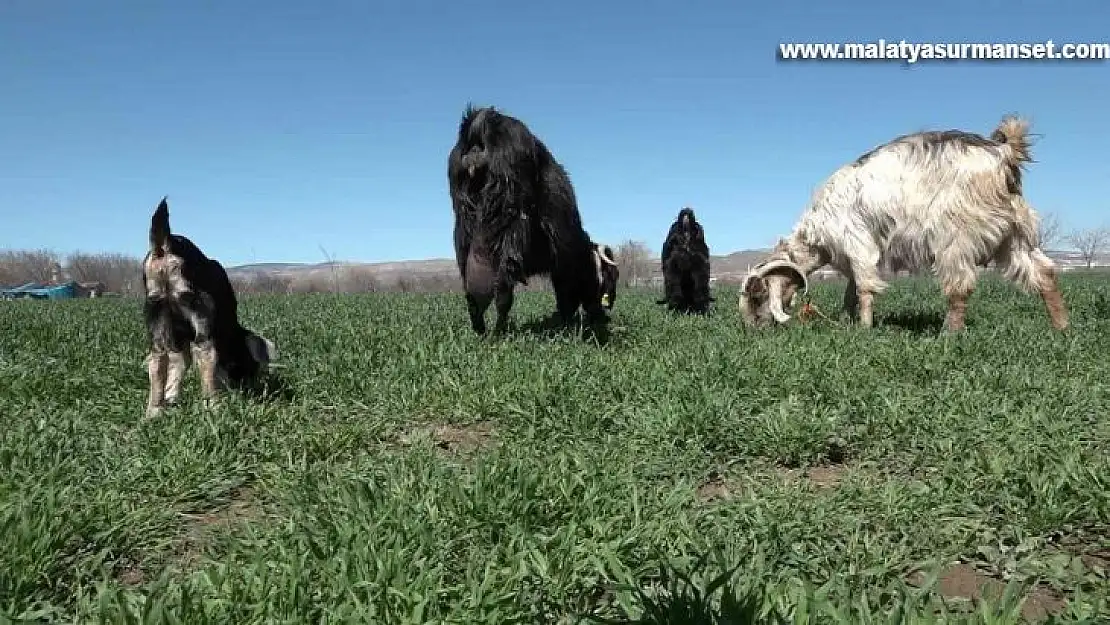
{"type": "Point", "coordinates": [152, 412]}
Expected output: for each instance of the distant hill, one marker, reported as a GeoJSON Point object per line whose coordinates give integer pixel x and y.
{"type": "Point", "coordinates": [730, 263]}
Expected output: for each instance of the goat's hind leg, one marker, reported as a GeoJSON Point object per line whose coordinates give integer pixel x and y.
{"type": "Point", "coordinates": [1033, 270]}
{"type": "Point", "coordinates": [205, 354]}
{"type": "Point", "coordinates": [1054, 300]}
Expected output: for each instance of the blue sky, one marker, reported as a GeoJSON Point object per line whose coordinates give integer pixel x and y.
{"type": "Point", "coordinates": [278, 128]}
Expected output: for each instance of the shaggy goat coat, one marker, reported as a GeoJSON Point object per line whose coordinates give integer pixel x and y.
{"type": "Point", "coordinates": [516, 216]}
{"type": "Point", "coordinates": [685, 263]}
{"type": "Point", "coordinates": [950, 200]}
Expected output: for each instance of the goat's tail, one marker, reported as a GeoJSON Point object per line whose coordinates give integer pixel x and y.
{"type": "Point", "coordinates": [1013, 133]}
{"type": "Point", "coordinates": [160, 229]}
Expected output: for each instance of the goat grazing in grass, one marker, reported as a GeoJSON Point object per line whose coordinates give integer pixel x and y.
{"type": "Point", "coordinates": [190, 306]}
{"type": "Point", "coordinates": [951, 200]}
{"type": "Point", "coordinates": [516, 216]}
{"type": "Point", "coordinates": [685, 261]}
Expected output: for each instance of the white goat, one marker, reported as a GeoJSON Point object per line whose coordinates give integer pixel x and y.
{"type": "Point", "coordinates": [951, 200]}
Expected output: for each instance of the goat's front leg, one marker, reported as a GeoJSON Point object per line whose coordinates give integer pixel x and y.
{"type": "Point", "coordinates": [851, 300]}
{"type": "Point", "coordinates": [859, 304]}
{"type": "Point", "coordinates": [156, 364]}
{"type": "Point", "coordinates": [866, 278]}
{"type": "Point", "coordinates": [959, 284]}
{"type": "Point", "coordinates": [957, 309]}
{"type": "Point", "coordinates": [866, 308]}
{"type": "Point", "coordinates": [178, 365]}
{"type": "Point", "coordinates": [503, 303]}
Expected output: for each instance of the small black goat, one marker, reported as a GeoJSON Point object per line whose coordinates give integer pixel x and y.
{"type": "Point", "coordinates": [686, 266]}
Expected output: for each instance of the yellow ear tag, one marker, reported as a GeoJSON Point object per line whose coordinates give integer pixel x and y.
{"type": "Point", "coordinates": [604, 299]}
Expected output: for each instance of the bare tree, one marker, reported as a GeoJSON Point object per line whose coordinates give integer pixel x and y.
{"type": "Point", "coordinates": [269, 283]}
{"type": "Point", "coordinates": [117, 273]}
{"type": "Point", "coordinates": [634, 261]}
{"type": "Point", "coordinates": [23, 266]}
{"type": "Point", "coordinates": [357, 279]}
{"type": "Point", "coordinates": [1089, 243]}
{"type": "Point", "coordinates": [1048, 230]}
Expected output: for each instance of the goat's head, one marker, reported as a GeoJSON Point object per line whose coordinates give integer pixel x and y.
{"type": "Point", "coordinates": [262, 350]}
{"type": "Point", "coordinates": [769, 289]}
{"type": "Point", "coordinates": [686, 229]}
{"type": "Point", "coordinates": [607, 274]}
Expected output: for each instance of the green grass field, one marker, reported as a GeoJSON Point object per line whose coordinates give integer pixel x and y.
{"type": "Point", "coordinates": [413, 473]}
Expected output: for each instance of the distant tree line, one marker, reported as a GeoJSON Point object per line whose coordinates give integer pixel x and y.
{"type": "Point", "coordinates": [117, 273]}
{"type": "Point", "coordinates": [121, 274]}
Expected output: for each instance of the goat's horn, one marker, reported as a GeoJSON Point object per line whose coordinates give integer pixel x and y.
{"type": "Point", "coordinates": [605, 257]}
{"type": "Point", "coordinates": [798, 276]}
{"type": "Point", "coordinates": [774, 303]}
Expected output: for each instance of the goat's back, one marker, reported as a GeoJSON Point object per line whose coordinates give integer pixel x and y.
{"type": "Point", "coordinates": [917, 194]}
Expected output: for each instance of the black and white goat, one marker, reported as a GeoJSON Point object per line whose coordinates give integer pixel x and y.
{"type": "Point", "coordinates": [190, 306]}
{"type": "Point", "coordinates": [951, 200]}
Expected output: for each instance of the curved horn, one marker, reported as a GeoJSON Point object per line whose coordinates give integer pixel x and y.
{"type": "Point", "coordinates": [785, 267]}
{"type": "Point", "coordinates": [774, 304]}
{"type": "Point", "coordinates": [604, 253]}
{"type": "Point", "coordinates": [793, 273]}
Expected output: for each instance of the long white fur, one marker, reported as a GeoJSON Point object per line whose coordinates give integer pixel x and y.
{"type": "Point", "coordinates": [947, 206]}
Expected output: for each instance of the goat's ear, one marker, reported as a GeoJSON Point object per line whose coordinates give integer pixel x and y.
{"type": "Point", "coordinates": [160, 229]}
{"type": "Point", "coordinates": [261, 348]}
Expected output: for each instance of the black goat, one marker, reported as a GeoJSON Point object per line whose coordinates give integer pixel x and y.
{"type": "Point", "coordinates": [685, 261]}
{"type": "Point", "coordinates": [516, 216]}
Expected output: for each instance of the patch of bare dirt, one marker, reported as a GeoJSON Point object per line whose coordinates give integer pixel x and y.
{"type": "Point", "coordinates": [456, 439]}
{"type": "Point", "coordinates": [715, 488]}
{"type": "Point", "coordinates": [964, 581]}
{"type": "Point", "coordinates": [828, 476]}
{"type": "Point", "coordinates": [1097, 560]}
{"type": "Point", "coordinates": [241, 505]}
{"type": "Point", "coordinates": [130, 574]}
{"type": "Point", "coordinates": [822, 476]}
{"type": "Point", "coordinates": [1090, 545]}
